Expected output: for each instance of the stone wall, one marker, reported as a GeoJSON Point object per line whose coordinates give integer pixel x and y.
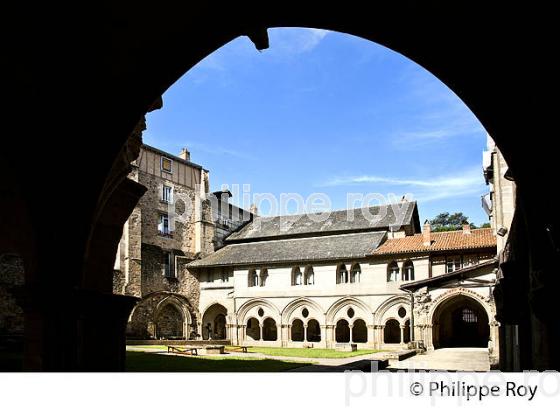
{"type": "Point", "coordinates": [149, 316]}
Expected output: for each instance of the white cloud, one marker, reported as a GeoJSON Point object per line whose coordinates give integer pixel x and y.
{"type": "Point", "coordinates": [467, 183]}
{"type": "Point", "coordinates": [288, 41]}
{"type": "Point", "coordinates": [443, 115]}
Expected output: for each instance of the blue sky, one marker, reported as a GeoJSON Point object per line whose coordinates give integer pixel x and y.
{"type": "Point", "coordinates": [329, 113]}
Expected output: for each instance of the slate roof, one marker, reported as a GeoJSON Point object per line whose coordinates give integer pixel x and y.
{"type": "Point", "coordinates": [362, 219]}
{"type": "Point", "coordinates": [319, 248]}
{"type": "Point", "coordinates": [441, 241]}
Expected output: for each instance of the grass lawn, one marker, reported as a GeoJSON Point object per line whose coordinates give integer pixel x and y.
{"type": "Point", "coordinates": [305, 352]}
{"type": "Point", "coordinates": [150, 362]}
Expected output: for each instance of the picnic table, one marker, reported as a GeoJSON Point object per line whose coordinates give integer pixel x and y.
{"type": "Point", "coordinates": [242, 349]}
{"type": "Point", "coordinates": [193, 351]}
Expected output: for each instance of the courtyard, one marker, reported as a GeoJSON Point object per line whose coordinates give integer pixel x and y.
{"type": "Point", "coordinates": [257, 359]}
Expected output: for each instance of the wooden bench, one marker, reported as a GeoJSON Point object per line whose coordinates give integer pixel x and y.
{"type": "Point", "coordinates": [183, 350]}
{"type": "Point", "coordinates": [242, 349]}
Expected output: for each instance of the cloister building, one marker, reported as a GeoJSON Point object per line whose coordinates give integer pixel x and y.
{"type": "Point", "coordinates": [366, 276]}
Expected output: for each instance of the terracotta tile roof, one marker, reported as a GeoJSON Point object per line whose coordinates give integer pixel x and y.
{"type": "Point", "coordinates": [441, 241]}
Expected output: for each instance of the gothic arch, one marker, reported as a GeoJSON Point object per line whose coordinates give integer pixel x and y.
{"type": "Point", "coordinates": [244, 309]}
{"type": "Point", "coordinates": [381, 312]}
{"type": "Point", "coordinates": [291, 307]}
{"type": "Point", "coordinates": [347, 301]}
{"type": "Point", "coordinates": [451, 293]}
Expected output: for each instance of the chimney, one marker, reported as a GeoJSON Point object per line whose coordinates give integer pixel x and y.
{"type": "Point", "coordinates": [427, 233]}
{"type": "Point", "coordinates": [185, 154]}
{"type": "Point", "coordinates": [466, 228]}
{"type": "Point", "coordinates": [254, 210]}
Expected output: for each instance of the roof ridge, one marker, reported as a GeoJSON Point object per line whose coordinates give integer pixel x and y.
{"type": "Point", "coordinates": [333, 211]}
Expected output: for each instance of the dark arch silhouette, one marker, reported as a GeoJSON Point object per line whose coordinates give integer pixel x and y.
{"type": "Point", "coordinates": [460, 321]}
{"type": "Point", "coordinates": [392, 331]}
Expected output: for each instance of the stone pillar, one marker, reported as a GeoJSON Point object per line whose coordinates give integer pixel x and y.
{"type": "Point", "coordinates": [285, 335]}
{"type": "Point", "coordinates": [402, 334]}
{"type": "Point", "coordinates": [305, 332]}
{"type": "Point", "coordinates": [351, 333]}
{"type": "Point", "coordinates": [329, 336]}
{"type": "Point", "coordinates": [429, 334]}
{"type": "Point", "coordinates": [261, 332]}
{"type": "Point", "coordinates": [371, 336]}
{"type": "Point", "coordinates": [242, 334]}
{"type": "Point", "coordinates": [381, 335]}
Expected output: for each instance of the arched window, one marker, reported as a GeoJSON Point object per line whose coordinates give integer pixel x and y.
{"type": "Point", "coordinates": [342, 331]}
{"type": "Point", "coordinates": [297, 277]}
{"type": "Point", "coordinates": [355, 273]}
{"type": "Point", "coordinates": [253, 330]}
{"type": "Point", "coordinates": [342, 274]}
{"type": "Point", "coordinates": [270, 331]}
{"type": "Point", "coordinates": [297, 331]}
{"type": "Point", "coordinates": [392, 272]}
{"type": "Point", "coordinates": [392, 332]}
{"type": "Point", "coordinates": [313, 331]}
{"type": "Point", "coordinates": [309, 277]}
{"type": "Point", "coordinates": [359, 331]}
{"type": "Point", "coordinates": [408, 270]}
{"type": "Point", "coordinates": [253, 278]}
{"type": "Point", "coordinates": [263, 276]}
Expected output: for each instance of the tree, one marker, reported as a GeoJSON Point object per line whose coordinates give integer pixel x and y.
{"type": "Point", "coordinates": [449, 222]}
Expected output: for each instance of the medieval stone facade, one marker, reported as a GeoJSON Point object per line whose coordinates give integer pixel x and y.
{"type": "Point", "coordinates": [173, 223]}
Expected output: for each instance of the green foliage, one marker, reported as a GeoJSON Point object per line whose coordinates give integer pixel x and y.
{"type": "Point", "coordinates": [452, 222]}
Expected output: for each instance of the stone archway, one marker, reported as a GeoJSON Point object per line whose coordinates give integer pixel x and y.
{"type": "Point", "coordinates": [460, 321]}
{"type": "Point", "coordinates": [269, 330]}
{"type": "Point", "coordinates": [342, 331]}
{"type": "Point", "coordinates": [409, 29]}
{"type": "Point", "coordinates": [214, 323]}
{"type": "Point", "coordinates": [253, 329]}
{"type": "Point", "coordinates": [359, 331]}
{"type": "Point", "coordinates": [392, 332]}
{"type": "Point", "coordinates": [297, 334]}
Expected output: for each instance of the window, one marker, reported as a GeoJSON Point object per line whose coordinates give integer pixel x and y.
{"type": "Point", "coordinates": [253, 278]}
{"type": "Point", "coordinates": [469, 316]}
{"type": "Point", "coordinates": [167, 194]}
{"type": "Point", "coordinates": [263, 277]}
{"type": "Point", "coordinates": [393, 272]}
{"type": "Point", "coordinates": [342, 274]}
{"type": "Point", "coordinates": [163, 225]}
{"type": "Point", "coordinates": [166, 165]}
{"type": "Point", "coordinates": [309, 278]}
{"type": "Point", "coordinates": [454, 263]}
{"type": "Point", "coordinates": [168, 265]}
{"type": "Point", "coordinates": [355, 273]}
{"type": "Point", "coordinates": [470, 260]}
{"type": "Point", "coordinates": [297, 278]}
{"type": "Point", "coordinates": [408, 271]}
{"type": "Point", "coordinates": [225, 276]}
